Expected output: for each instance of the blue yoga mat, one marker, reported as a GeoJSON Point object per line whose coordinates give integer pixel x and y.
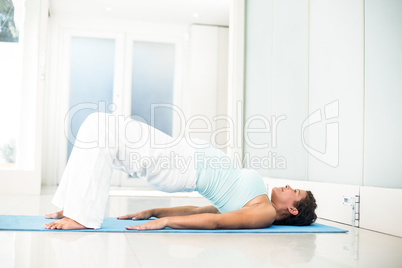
{"type": "Point", "coordinates": [35, 223]}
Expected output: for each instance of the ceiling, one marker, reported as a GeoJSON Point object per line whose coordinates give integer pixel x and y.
{"type": "Point", "coordinates": [215, 12]}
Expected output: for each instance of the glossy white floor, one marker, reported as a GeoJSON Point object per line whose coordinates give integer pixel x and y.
{"type": "Point", "coordinates": [357, 248]}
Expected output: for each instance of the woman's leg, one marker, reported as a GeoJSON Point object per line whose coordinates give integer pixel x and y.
{"type": "Point", "coordinates": [165, 163]}
{"type": "Point", "coordinates": [107, 141]}
{"type": "Point", "coordinates": [84, 189]}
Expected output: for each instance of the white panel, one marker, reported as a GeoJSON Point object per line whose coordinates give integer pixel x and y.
{"type": "Point", "coordinates": [222, 84]}
{"type": "Point", "coordinates": [29, 92]}
{"type": "Point", "coordinates": [152, 83]}
{"type": "Point", "coordinates": [258, 78]}
{"type": "Point", "coordinates": [10, 96]}
{"type": "Point", "coordinates": [27, 178]}
{"type": "Point", "coordinates": [236, 74]}
{"type": "Point", "coordinates": [289, 83]}
{"type": "Point", "coordinates": [379, 210]}
{"type": "Point", "coordinates": [329, 197]}
{"type": "Point", "coordinates": [336, 74]}
{"type": "Point", "coordinates": [201, 93]}
{"type": "Point", "coordinates": [91, 81]}
{"type": "Point", "coordinates": [383, 93]}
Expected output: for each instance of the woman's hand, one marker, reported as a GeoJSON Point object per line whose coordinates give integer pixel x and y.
{"type": "Point", "coordinates": [142, 215]}
{"type": "Point", "coordinates": [150, 225]}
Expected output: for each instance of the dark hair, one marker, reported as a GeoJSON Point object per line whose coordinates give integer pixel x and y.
{"type": "Point", "coordinates": [306, 215]}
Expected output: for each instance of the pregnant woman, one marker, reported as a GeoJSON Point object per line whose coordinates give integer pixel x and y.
{"type": "Point", "coordinates": [238, 196]}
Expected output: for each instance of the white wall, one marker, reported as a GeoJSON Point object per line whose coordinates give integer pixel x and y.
{"type": "Point", "coordinates": [25, 177]}
{"type": "Point", "coordinates": [333, 68]}
{"type": "Point", "coordinates": [336, 73]}
{"type": "Point", "coordinates": [276, 85]}
{"type": "Point", "coordinates": [206, 81]}
{"type": "Point", "coordinates": [309, 56]}
{"type": "Point", "coordinates": [383, 93]}
{"type": "Point", "coordinates": [258, 77]}
{"type": "Point", "coordinates": [301, 57]}
{"type": "Point", "coordinates": [377, 209]}
{"type": "Point", "coordinates": [289, 85]}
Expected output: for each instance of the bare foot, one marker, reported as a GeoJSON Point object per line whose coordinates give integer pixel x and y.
{"type": "Point", "coordinates": [56, 215]}
{"type": "Point", "coordinates": [64, 224]}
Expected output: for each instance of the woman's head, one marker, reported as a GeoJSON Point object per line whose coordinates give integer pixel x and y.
{"type": "Point", "coordinates": [293, 206]}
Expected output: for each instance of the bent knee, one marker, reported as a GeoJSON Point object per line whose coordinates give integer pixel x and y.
{"type": "Point", "coordinates": [95, 117]}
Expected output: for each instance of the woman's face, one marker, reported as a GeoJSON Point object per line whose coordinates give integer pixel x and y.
{"type": "Point", "coordinates": [287, 196]}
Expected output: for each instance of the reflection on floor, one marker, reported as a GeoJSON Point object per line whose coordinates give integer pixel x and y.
{"type": "Point", "coordinates": [357, 248]}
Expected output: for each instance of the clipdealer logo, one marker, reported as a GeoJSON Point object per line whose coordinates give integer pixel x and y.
{"type": "Point", "coordinates": [330, 155]}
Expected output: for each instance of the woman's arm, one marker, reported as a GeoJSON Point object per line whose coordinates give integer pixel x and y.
{"type": "Point", "coordinates": [166, 212]}
{"type": "Point", "coordinates": [183, 211]}
{"type": "Point", "coordinates": [259, 216]}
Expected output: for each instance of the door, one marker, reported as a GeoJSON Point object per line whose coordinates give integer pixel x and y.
{"type": "Point", "coordinates": [91, 81]}
{"type": "Point", "coordinates": [151, 87]}
{"type": "Point", "coordinates": [97, 67]}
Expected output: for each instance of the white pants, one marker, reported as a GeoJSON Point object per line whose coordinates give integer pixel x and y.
{"type": "Point", "coordinates": [106, 142]}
